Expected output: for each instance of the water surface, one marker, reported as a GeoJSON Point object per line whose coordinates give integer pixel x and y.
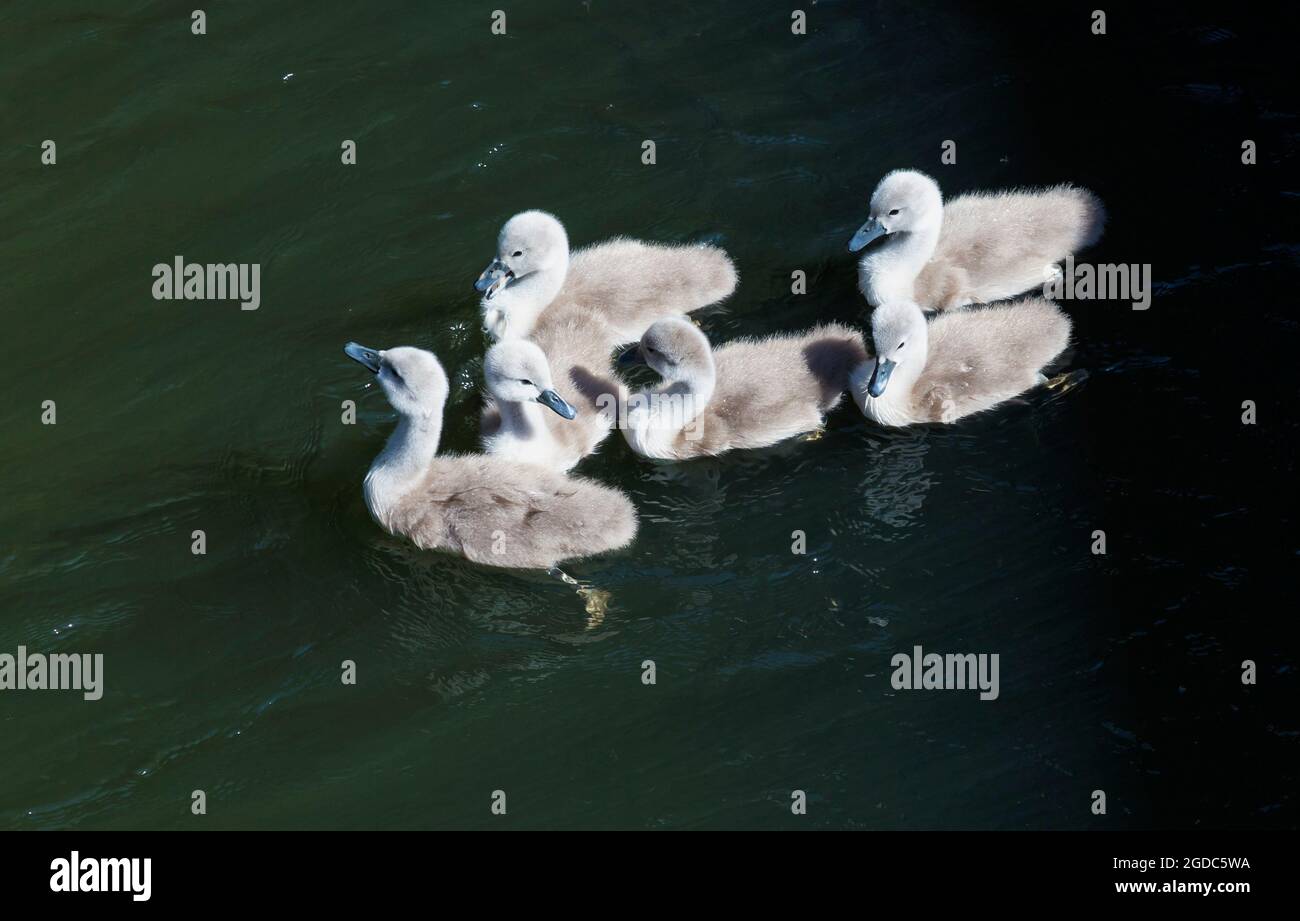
{"type": "Point", "coordinates": [222, 671]}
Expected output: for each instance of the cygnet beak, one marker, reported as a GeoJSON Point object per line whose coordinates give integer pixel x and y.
{"type": "Point", "coordinates": [880, 376]}
{"type": "Point", "coordinates": [866, 233]}
{"type": "Point", "coordinates": [362, 355]}
{"type": "Point", "coordinates": [631, 357]}
{"type": "Point", "coordinates": [495, 277]}
{"type": "Point", "coordinates": [552, 400]}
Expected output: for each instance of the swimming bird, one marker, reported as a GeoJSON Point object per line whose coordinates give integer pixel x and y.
{"type": "Point", "coordinates": [980, 247]}
{"type": "Point", "coordinates": [486, 509]}
{"type": "Point", "coordinates": [517, 375]}
{"type": "Point", "coordinates": [628, 283]}
{"type": "Point", "coordinates": [749, 393]}
{"type": "Point", "coordinates": [958, 363]}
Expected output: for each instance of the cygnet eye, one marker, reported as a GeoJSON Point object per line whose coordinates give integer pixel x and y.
{"type": "Point", "coordinates": [527, 382]}
{"type": "Point", "coordinates": [901, 344]}
{"type": "Point", "coordinates": [518, 252]}
{"type": "Point", "coordinates": [891, 214]}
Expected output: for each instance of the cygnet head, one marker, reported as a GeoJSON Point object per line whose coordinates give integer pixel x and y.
{"type": "Point", "coordinates": [900, 335]}
{"type": "Point", "coordinates": [530, 242]}
{"type": "Point", "coordinates": [904, 201]}
{"type": "Point", "coordinates": [516, 371]}
{"type": "Point", "coordinates": [412, 378]}
{"type": "Point", "coordinates": [674, 348]}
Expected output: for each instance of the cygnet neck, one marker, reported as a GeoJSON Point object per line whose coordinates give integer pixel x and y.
{"type": "Point", "coordinates": [522, 302]}
{"type": "Point", "coordinates": [404, 462]}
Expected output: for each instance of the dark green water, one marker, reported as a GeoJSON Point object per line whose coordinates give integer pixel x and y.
{"type": "Point", "coordinates": [222, 672]}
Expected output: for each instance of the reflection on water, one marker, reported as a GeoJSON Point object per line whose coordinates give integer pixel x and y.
{"type": "Point", "coordinates": [895, 486]}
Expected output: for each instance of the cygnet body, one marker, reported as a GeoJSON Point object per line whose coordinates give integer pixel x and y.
{"type": "Point", "coordinates": [956, 364]}
{"type": "Point", "coordinates": [978, 248]}
{"type": "Point", "coordinates": [485, 509]}
{"type": "Point", "coordinates": [749, 393]}
{"type": "Point", "coordinates": [628, 284]}
{"type": "Point", "coordinates": [532, 417]}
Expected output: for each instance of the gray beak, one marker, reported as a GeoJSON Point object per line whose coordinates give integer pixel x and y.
{"type": "Point", "coordinates": [631, 357]}
{"type": "Point", "coordinates": [866, 233]}
{"type": "Point", "coordinates": [495, 277]}
{"type": "Point", "coordinates": [362, 355]}
{"type": "Point", "coordinates": [552, 400]}
{"type": "Point", "coordinates": [880, 376]}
